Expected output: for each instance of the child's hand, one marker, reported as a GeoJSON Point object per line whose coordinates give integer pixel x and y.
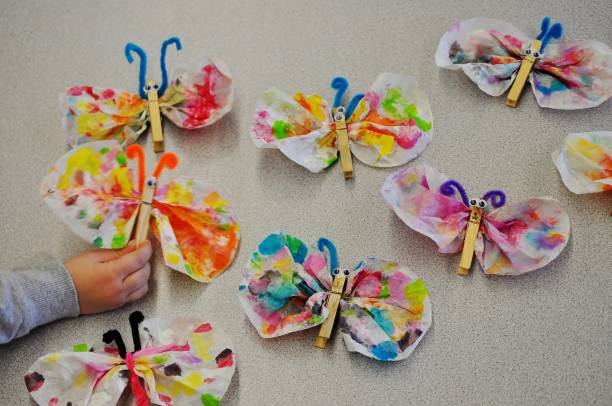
{"type": "Point", "coordinates": [107, 279]}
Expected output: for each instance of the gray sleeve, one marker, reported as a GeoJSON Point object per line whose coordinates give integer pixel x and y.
{"type": "Point", "coordinates": [35, 296]}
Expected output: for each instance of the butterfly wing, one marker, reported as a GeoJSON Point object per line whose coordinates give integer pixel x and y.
{"type": "Point", "coordinates": [196, 98]}
{"type": "Point", "coordinates": [385, 312]}
{"type": "Point", "coordinates": [280, 291]}
{"type": "Point", "coordinates": [392, 124]}
{"type": "Point", "coordinates": [573, 75]}
{"type": "Point", "coordinates": [299, 126]}
{"type": "Point", "coordinates": [522, 237]}
{"type": "Point", "coordinates": [91, 188]}
{"type": "Point", "coordinates": [184, 361]}
{"type": "Point", "coordinates": [487, 50]}
{"type": "Point", "coordinates": [196, 227]}
{"type": "Point", "coordinates": [98, 114]}
{"type": "Point", "coordinates": [77, 378]}
{"type": "Point", "coordinates": [585, 162]}
{"type": "Point", "coordinates": [414, 195]}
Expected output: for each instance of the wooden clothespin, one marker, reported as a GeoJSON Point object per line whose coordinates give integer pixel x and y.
{"type": "Point", "coordinates": [343, 143]}
{"type": "Point", "coordinates": [333, 301]}
{"type": "Point", "coordinates": [155, 116]}
{"type": "Point", "coordinates": [167, 160]}
{"type": "Point", "coordinates": [523, 74]}
{"type": "Point", "coordinates": [469, 241]}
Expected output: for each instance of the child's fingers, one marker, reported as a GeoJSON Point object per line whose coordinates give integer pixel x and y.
{"type": "Point", "coordinates": [137, 294]}
{"type": "Point", "coordinates": [136, 280]}
{"type": "Point", "coordinates": [132, 261]}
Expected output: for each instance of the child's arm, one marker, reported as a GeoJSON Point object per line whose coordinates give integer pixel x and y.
{"type": "Point", "coordinates": [94, 282]}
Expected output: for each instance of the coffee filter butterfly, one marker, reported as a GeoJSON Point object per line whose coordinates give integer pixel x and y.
{"type": "Point", "coordinates": [566, 75]}
{"type": "Point", "coordinates": [181, 361]}
{"type": "Point", "coordinates": [511, 239]}
{"type": "Point", "coordinates": [97, 189]}
{"type": "Point", "coordinates": [287, 286]}
{"type": "Point", "coordinates": [192, 98]}
{"type": "Point", "coordinates": [584, 162]}
{"type": "Point", "coordinates": [388, 126]}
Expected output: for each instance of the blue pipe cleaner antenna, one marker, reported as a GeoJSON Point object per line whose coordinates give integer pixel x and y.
{"type": "Point", "coordinates": [353, 104]}
{"type": "Point", "coordinates": [448, 189]}
{"type": "Point", "coordinates": [549, 32]}
{"type": "Point", "coordinates": [162, 61]}
{"type": "Point", "coordinates": [331, 249]}
{"type": "Point", "coordinates": [341, 85]}
{"type": "Point", "coordinates": [142, 73]}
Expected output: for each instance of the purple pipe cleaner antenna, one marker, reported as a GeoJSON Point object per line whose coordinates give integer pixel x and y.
{"type": "Point", "coordinates": [448, 189]}
{"type": "Point", "coordinates": [496, 198]}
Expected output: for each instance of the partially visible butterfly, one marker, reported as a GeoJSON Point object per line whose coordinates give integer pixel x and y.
{"type": "Point", "coordinates": [98, 191]}
{"type": "Point", "coordinates": [193, 98]}
{"type": "Point", "coordinates": [388, 126]}
{"type": "Point", "coordinates": [495, 55]}
{"type": "Point", "coordinates": [384, 308]}
{"type": "Point", "coordinates": [181, 361]}
{"type": "Point", "coordinates": [509, 240]}
{"type": "Point", "coordinates": [584, 162]}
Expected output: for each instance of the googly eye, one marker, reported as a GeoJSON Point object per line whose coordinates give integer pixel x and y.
{"type": "Point", "coordinates": [346, 272]}
{"type": "Point", "coordinates": [147, 88]}
{"type": "Point", "coordinates": [156, 86]}
{"type": "Point", "coordinates": [482, 204]}
{"type": "Point", "coordinates": [150, 182]}
{"type": "Point", "coordinates": [340, 109]}
{"type": "Point", "coordinates": [336, 271]}
{"type": "Point", "coordinates": [536, 54]}
{"type": "Point", "coordinates": [473, 202]}
{"type": "Point", "coordinates": [527, 52]}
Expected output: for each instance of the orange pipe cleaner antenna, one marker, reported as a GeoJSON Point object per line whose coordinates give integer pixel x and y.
{"type": "Point", "coordinates": [168, 160]}
{"type": "Point", "coordinates": [136, 151]}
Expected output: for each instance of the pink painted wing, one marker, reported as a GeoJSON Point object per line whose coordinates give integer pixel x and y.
{"type": "Point", "coordinates": [98, 114]}
{"type": "Point", "coordinates": [522, 237]}
{"type": "Point", "coordinates": [487, 50]}
{"type": "Point", "coordinates": [196, 98]}
{"type": "Point", "coordinates": [283, 289]}
{"type": "Point", "coordinates": [392, 124]}
{"type": "Point", "coordinates": [92, 189]}
{"type": "Point", "coordinates": [414, 195]}
{"type": "Point", "coordinates": [385, 311]}
{"type": "Point", "coordinates": [573, 75]}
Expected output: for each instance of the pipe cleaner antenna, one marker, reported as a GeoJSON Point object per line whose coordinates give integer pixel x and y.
{"type": "Point", "coordinates": [168, 160]}
{"type": "Point", "coordinates": [142, 73]}
{"type": "Point", "coordinates": [324, 243]}
{"type": "Point", "coordinates": [544, 26]}
{"type": "Point", "coordinates": [114, 335]}
{"type": "Point", "coordinates": [176, 41]}
{"type": "Point", "coordinates": [497, 198]}
{"type": "Point", "coordinates": [448, 189]}
{"type": "Point", "coordinates": [135, 319]}
{"type": "Point", "coordinates": [353, 104]}
{"type": "Point", "coordinates": [340, 84]}
{"type": "Point", "coordinates": [135, 151]}
{"type": "Point", "coordinates": [549, 32]}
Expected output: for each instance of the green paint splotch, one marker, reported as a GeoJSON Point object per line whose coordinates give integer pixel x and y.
{"type": "Point", "coordinates": [99, 242]}
{"type": "Point", "coordinates": [118, 241]}
{"type": "Point", "coordinates": [416, 292]}
{"type": "Point", "coordinates": [80, 347]}
{"type": "Point", "coordinates": [280, 129]}
{"type": "Point", "coordinates": [399, 108]}
{"type": "Point", "coordinates": [208, 399]}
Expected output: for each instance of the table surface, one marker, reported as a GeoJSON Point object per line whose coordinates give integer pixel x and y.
{"type": "Point", "coordinates": [542, 338]}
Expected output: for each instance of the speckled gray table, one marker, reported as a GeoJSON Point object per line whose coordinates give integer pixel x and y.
{"type": "Point", "coordinates": [544, 338]}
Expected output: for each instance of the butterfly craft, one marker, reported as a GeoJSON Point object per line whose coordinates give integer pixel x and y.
{"type": "Point", "coordinates": [181, 361]}
{"type": "Point", "coordinates": [496, 55]}
{"type": "Point", "coordinates": [384, 308]}
{"type": "Point", "coordinates": [194, 98]}
{"type": "Point", "coordinates": [99, 193]}
{"type": "Point", "coordinates": [584, 162]}
{"type": "Point", "coordinates": [388, 126]}
{"type": "Point", "coordinates": [509, 240]}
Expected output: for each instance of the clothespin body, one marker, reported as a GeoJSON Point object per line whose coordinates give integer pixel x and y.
{"type": "Point", "coordinates": [471, 233]}
{"type": "Point", "coordinates": [155, 118]}
{"type": "Point", "coordinates": [343, 143]}
{"type": "Point", "coordinates": [523, 74]}
{"type": "Point", "coordinates": [333, 301]}
{"type": "Point", "coordinates": [144, 211]}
